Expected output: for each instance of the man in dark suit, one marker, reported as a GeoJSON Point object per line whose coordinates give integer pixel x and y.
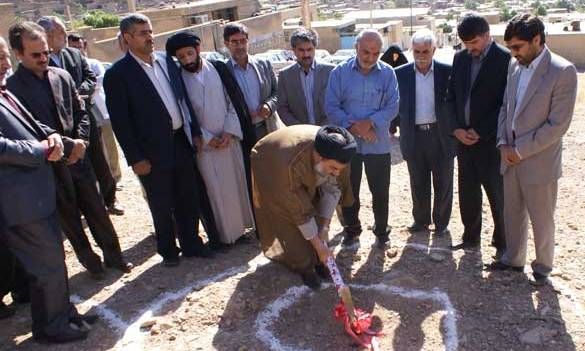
{"type": "Point", "coordinates": [153, 126]}
{"type": "Point", "coordinates": [28, 223]}
{"type": "Point", "coordinates": [425, 134]}
{"type": "Point", "coordinates": [302, 85]}
{"type": "Point", "coordinates": [474, 97]}
{"type": "Point", "coordinates": [50, 94]}
{"type": "Point", "coordinates": [71, 60]}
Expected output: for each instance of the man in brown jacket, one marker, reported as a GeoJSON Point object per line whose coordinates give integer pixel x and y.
{"type": "Point", "coordinates": [299, 176]}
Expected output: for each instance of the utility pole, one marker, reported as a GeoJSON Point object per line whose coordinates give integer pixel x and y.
{"type": "Point", "coordinates": [306, 13]}
{"type": "Point", "coordinates": [131, 5]}
{"type": "Point", "coordinates": [371, 14]}
{"type": "Point", "coordinates": [68, 14]}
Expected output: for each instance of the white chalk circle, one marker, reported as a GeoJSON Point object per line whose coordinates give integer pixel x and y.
{"type": "Point", "coordinates": [268, 316]}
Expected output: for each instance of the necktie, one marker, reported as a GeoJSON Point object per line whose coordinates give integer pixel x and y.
{"type": "Point", "coordinates": [9, 99]}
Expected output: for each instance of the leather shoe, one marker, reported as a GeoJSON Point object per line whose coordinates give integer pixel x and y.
{"type": "Point", "coordinates": [464, 246]}
{"type": "Point", "coordinates": [6, 311]}
{"type": "Point", "coordinates": [418, 227]}
{"type": "Point", "coordinates": [67, 335]}
{"type": "Point", "coordinates": [311, 280]}
{"type": "Point", "coordinates": [84, 322]}
{"type": "Point", "coordinates": [115, 209]}
{"type": "Point", "coordinates": [171, 261]}
{"type": "Point", "coordinates": [203, 252]}
{"type": "Point", "coordinates": [93, 264]}
{"type": "Point", "coordinates": [120, 264]}
{"type": "Point", "coordinates": [442, 232]}
{"type": "Point", "coordinates": [538, 279]}
{"type": "Point", "coordinates": [382, 242]}
{"type": "Point", "coordinates": [350, 239]}
{"type": "Point", "coordinates": [501, 266]}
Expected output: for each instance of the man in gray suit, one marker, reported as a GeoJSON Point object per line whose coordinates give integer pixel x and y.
{"type": "Point", "coordinates": [536, 113]}
{"type": "Point", "coordinates": [256, 79]}
{"type": "Point", "coordinates": [302, 85]}
{"type": "Point", "coordinates": [28, 221]}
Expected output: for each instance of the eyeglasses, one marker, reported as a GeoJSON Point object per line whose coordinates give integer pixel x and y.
{"type": "Point", "coordinates": [243, 41]}
{"type": "Point", "coordinates": [37, 55]}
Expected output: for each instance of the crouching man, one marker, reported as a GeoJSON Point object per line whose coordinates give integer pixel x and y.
{"type": "Point", "coordinates": [299, 176]}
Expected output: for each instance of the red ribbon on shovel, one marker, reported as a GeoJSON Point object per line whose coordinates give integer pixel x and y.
{"type": "Point", "coordinates": [356, 322]}
{"type": "Point", "coordinates": [359, 330]}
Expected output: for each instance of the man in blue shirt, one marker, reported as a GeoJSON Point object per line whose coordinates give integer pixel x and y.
{"type": "Point", "coordinates": [362, 96]}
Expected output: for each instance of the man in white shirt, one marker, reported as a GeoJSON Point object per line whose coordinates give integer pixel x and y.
{"type": "Point", "coordinates": [425, 139]}
{"type": "Point", "coordinates": [153, 125]}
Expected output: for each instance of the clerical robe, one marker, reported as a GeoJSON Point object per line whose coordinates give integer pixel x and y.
{"type": "Point", "coordinates": [221, 169]}
{"type": "Point", "coordinates": [287, 193]}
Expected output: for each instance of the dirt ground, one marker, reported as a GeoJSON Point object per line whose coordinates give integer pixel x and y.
{"type": "Point", "coordinates": [425, 298]}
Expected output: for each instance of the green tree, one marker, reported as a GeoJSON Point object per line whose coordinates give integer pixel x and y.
{"type": "Point", "coordinates": [100, 19]}
{"type": "Point", "coordinates": [565, 4]}
{"type": "Point", "coordinates": [506, 14]}
{"type": "Point", "coordinates": [471, 5]}
{"type": "Point", "coordinates": [540, 10]}
{"type": "Point", "coordinates": [446, 28]}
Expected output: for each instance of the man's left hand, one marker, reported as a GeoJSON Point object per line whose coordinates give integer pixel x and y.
{"type": "Point", "coordinates": [509, 155]}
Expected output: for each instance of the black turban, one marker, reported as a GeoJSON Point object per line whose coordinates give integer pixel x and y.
{"type": "Point", "coordinates": [331, 147]}
{"type": "Point", "coordinates": [181, 40]}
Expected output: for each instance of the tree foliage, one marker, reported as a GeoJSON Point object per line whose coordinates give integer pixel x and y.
{"type": "Point", "coordinates": [100, 19]}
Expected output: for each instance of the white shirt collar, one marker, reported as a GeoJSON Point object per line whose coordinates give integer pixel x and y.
{"type": "Point", "coordinates": [142, 62]}
{"type": "Point", "coordinates": [431, 70]}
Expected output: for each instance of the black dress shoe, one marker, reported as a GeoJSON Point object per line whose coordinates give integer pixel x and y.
{"type": "Point", "coordinates": [382, 242]}
{"type": "Point", "coordinates": [350, 239]}
{"type": "Point", "coordinates": [311, 280]}
{"type": "Point", "coordinates": [115, 209]}
{"type": "Point", "coordinates": [171, 261]}
{"type": "Point", "coordinates": [67, 335]}
{"type": "Point", "coordinates": [219, 247]}
{"type": "Point", "coordinates": [501, 266]}
{"type": "Point", "coordinates": [418, 227]}
{"type": "Point", "coordinates": [119, 264]}
{"type": "Point", "coordinates": [94, 266]}
{"type": "Point", "coordinates": [203, 252]}
{"type": "Point", "coordinates": [464, 246]}
{"type": "Point", "coordinates": [6, 311]}
{"type": "Point", "coordinates": [84, 322]}
{"type": "Point", "coordinates": [539, 279]}
{"type": "Point", "coordinates": [323, 272]}
{"type": "Point", "coordinates": [442, 232]}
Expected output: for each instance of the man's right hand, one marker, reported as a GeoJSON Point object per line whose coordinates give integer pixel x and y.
{"type": "Point", "coordinates": [464, 136]}
{"type": "Point", "coordinates": [321, 248]}
{"type": "Point", "coordinates": [77, 152]}
{"type": "Point", "coordinates": [142, 168]}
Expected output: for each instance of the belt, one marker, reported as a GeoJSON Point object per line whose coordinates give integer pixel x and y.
{"type": "Point", "coordinates": [425, 127]}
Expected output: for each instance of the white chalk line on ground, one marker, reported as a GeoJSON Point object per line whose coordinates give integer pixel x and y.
{"type": "Point", "coordinates": [267, 317]}
{"type": "Point", "coordinates": [132, 336]}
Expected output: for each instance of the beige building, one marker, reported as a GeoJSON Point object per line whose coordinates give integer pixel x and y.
{"type": "Point", "coordinates": [7, 19]}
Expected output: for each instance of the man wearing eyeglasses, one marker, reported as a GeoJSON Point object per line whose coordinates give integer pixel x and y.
{"type": "Point", "coordinates": [49, 93]}
{"type": "Point", "coordinates": [255, 78]}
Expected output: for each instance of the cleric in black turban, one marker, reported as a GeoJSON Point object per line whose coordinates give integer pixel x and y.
{"type": "Point", "coordinates": [335, 143]}
{"type": "Point", "coordinates": [180, 40]}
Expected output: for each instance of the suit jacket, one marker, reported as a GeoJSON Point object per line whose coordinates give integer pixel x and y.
{"type": "Point", "coordinates": [73, 62]}
{"type": "Point", "coordinates": [486, 94]}
{"type": "Point", "coordinates": [139, 117]}
{"type": "Point", "coordinates": [268, 88]}
{"type": "Point", "coordinates": [73, 121]}
{"type": "Point", "coordinates": [292, 107]}
{"type": "Point", "coordinates": [407, 110]}
{"type": "Point", "coordinates": [27, 188]}
{"type": "Point", "coordinates": [543, 117]}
